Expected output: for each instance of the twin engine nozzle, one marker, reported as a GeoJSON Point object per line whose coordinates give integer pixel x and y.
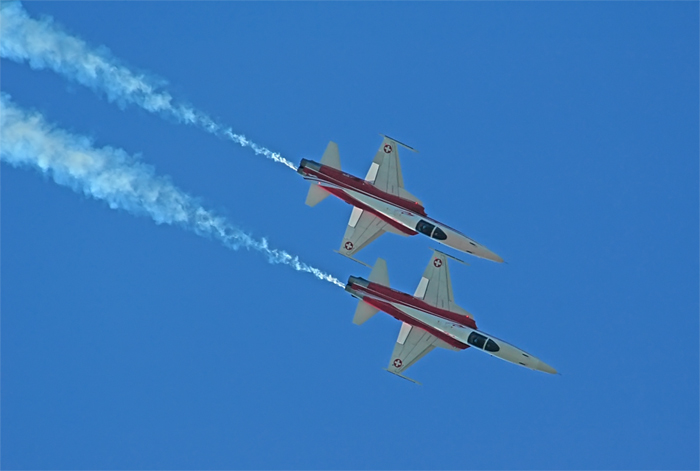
{"type": "Point", "coordinates": [306, 163]}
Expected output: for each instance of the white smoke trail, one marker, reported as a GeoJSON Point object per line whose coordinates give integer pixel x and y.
{"type": "Point", "coordinates": [112, 175]}
{"type": "Point", "coordinates": [44, 45]}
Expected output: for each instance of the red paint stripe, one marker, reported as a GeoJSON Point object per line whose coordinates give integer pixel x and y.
{"type": "Point", "coordinates": [352, 201]}
{"type": "Point", "coordinates": [345, 180]}
{"type": "Point", "coordinates": [392, 295]}
{"type": "Point", "coordinates": [397, 314]}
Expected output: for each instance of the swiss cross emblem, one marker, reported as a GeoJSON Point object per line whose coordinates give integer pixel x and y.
{"type": "Point", "coordinates": [398, 363]}
{"type": "Point", "coordinates": [437, 262]}
{"type": "Point", "coordinates": [387, 148]}
{"type": "Point", "coordinates": [348, 245]}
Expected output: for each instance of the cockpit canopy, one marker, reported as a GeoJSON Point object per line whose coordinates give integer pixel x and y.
{"type": "Point", "coordinates": [480, 341]}
{"type": "Point", "coordinates": [424, 227]}
{"type": "Point", "coordinates": [439, 234]}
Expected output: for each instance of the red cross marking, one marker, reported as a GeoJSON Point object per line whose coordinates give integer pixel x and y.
{"type": "Point", "coordinates": [387, 148]}
{"type": "Point", "coordinates": [398, 363]}
{"type": "Point", "coordinates": [437, 262]}
{"type": "Point", "coordinates": [348, 245]}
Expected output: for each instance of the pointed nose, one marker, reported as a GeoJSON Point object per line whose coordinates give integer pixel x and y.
{"type": "Point", "coordinates": [495, 258]}
{"type": "Point", "coordinates": [542, 366]}
{"type": "Point", "coordinates": [483, 252]}
{"type": "Point", "coordinates": [460, 242]}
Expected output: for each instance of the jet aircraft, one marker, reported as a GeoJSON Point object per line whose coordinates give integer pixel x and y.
{"type": "Point", "coordinates": [430, 318]}
{"type": "Point", "coordinates": [380, 202]}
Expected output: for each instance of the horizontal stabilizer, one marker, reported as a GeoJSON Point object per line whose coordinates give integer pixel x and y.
{"type": "Point", "coordinates": [315, 195]}
{"type": "Point", "coordinates": [380, 274]}
{"type": "Point", "coordinates": [363, 312]}
{"type": "Point", "coordinates": [331, 157]}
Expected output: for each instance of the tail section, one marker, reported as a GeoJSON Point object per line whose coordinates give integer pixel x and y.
{"type": "Point", "coordinates": [315, 195]}
{"type": "Point", "coordinates": [363, 312]}
{"type": "Point", "coordinates": [331, 157]}
{"type": "Point", "coordinates": [380, 274]}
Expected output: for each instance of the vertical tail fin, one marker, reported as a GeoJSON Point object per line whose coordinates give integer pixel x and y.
{"type": "Point", "coordinates": [363, 312]}
{"type": "Point", "coordinates": [331, 157]}
{"type": "Point", "coordinates": [380, 274]}
{"type": "Point", "coordinates": [315, 195]}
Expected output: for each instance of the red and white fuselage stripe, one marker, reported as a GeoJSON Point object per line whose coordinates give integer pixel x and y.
{"type": "Point", "coordinates": [448, 326]}
{"type": "Point", "coordinates": [452, 328]}
{"type": "Point", "coordinates": [400, 213]}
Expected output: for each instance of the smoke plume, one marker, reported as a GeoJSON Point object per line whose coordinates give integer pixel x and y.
{"type": "Point", "coordinates": [44, 45]}
{"type": "Point", "coordinates": [122, 181]}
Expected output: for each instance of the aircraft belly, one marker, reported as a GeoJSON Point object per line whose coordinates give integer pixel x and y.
{"type": "Point", "coordinates": [406, 218]}
{"type": "Point", "coordinates": [384, 208]}
{"type": "Point", "coordinates": [461, 333]}
{"type": "Point", "coordinates": [451, 329]}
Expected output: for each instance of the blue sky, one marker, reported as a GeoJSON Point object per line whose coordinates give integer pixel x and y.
{"type": "Point", "coordinates": [563, 136]}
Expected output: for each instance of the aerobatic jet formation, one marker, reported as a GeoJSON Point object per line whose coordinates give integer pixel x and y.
{"type": "Point", "coordinates": [430, 318]}
{"type": "Point", "coordinates": [380, 202]}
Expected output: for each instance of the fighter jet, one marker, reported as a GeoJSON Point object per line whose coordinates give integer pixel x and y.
{"type": "Point", "coordinates": [380, 202]}
{"type": "Point", "coordinates": [430, 318]}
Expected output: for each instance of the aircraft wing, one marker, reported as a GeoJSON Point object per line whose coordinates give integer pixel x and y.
{"type": "Point", "coordinates": [385, 171]}
{"type": "Point", "coordinates": [435, 286]}
{"type": "Point", "coordinates": [412, 345]}
{"type": "Point", "coordinates": [362, 229]}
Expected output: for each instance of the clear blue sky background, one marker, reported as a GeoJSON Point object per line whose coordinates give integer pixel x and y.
{"type": "Point", "coordinates": [564, 136]}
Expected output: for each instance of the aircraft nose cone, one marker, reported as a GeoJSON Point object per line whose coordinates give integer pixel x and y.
{"type": "Point", "coordinates": [487, 254]}
{"type": "Point", "coordinates": [542, 366]}
{"type": "Point", "coordinates": [477, 250]}
{"type": "Point", "coordinates": [496, 258]}
{"type": "Point", "coordinates": [460, 242]}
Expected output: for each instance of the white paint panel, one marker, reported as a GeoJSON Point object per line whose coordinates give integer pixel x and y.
{"type": "Point", "coordinates": [355, 216]}
{"type": "Point", "coordinates": [403, 333]}
{"type": "Point", "coordinates": [455, 331]}
{"type": "Point", "coordinates": [372, 174]}
{"type": "Point", "coordinates": [422, 286]}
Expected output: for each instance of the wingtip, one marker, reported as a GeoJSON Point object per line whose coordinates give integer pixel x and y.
{"type": "Point", "coordinates": [400, 143]}
{"type": "Point", "coordinates": [404, 377]}
{"type": "Point", "coordinates": [353, 259]}
{"type": "Point", "coordinates": [450, 256]}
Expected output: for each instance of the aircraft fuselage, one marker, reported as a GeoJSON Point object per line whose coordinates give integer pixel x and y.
{"type": "Point", "coordinates": [404, 216]}
{"type": "Point", "coordinates": [458, 331]}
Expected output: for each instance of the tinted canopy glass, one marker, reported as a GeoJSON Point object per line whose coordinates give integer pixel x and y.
{"type": "Point", "coordinates": [492, 346]}
{"type": "Point", "coordinates": [439, 234]}
{"type": "Point", "coordinates": [477, 340]}
{"type": "Point", "coordinates": [424, 227]}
